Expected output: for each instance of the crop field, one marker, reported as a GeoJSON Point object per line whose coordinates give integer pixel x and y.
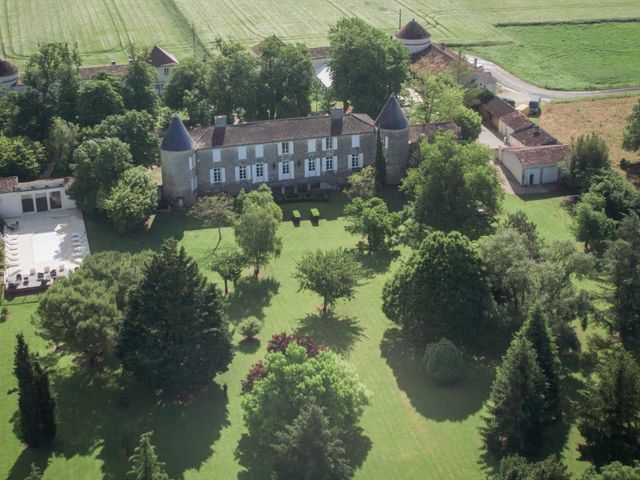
{"type": "Point", "coordinates": [103, 28]}
{"type": "Point", "coordinates": [413, 429]}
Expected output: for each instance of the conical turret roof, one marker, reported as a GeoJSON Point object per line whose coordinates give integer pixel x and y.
{"type": "Point", "coordinates": [392, 117]}
{"type": "Point", "coordinates": [176, 138]}
{"type": "Point", "coordinates": [7, 68]}
{"type": "Point", "coordinates": [413, 31]}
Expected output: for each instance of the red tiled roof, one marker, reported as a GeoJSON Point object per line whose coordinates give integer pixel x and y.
{"type": "Point", "coordinates": [7, 68]}
{"type": "Point", "coordinates": [533, 136]}
{"type": "Point", "coordinates": [318, 53]}
{"type": "Point", "coordinates": [86, 73]}
{"type": "Point", "coordinates": [427, 130]}
{"type": "Point", "coordinates": [541, 155]}
{"type": "Point", "coordinates": [516, 120]}
{"type": "Point", "coordinates": [8, 184]}
{"type": "Point", "coordinates": [159, 57]}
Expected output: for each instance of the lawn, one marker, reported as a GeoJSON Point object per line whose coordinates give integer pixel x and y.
{"type": "Point", "coordinates": [102, 29]}
{"type": "Point", "coordinates": [571, 57]}
{"type": "Point", "coordinates": [414, 429]}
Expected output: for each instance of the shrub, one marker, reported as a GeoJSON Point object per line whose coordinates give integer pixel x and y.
{"type": "Point", "coordinates": [624, 164]}
{"type": "Point", "coordinates": [443, 361]}
{"type": "Point", "coordinates": [4, 315]}
{"type": "Point", "coordinates": [295, 215]}
{"type": "Point", "coordinates": [250, 327]}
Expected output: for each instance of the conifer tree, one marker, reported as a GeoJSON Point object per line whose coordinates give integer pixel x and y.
{"type": "Point", "coordinates": [174, 335]}
{"type": "Point", "coordinates": [516, 403]}
{"type": "Point", "coordinates": [536, 330]}
{"type": "Point", "coordinates": [610, 415]}
{"type": "Point", "coordinates": [144, 461]}
{"type": "Point", "coordinates": [381, 166]}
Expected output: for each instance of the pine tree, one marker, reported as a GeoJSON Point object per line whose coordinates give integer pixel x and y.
{"type": "Point", "coordinates": [516, 403]}
{"type": "Point", "coordinates": [381, 165]}
{"type": "Point", "coordinates": [310, 449]}
{"type": "Point", "coordinates": [536, 330]}
{"type": "Point", "coordinates": [35, 473]}
{"type": "Point", "coordinates": [144, 461]}
{"type": "Point", "coordinates": [174, 335]}
{"type": "Point", "coordinates": [610, 416]}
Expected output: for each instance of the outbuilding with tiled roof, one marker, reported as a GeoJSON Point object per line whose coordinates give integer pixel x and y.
{"type": "Point", "coordinates": [414, 37]}
{"type": "Point", "coordinates": [534, 165]}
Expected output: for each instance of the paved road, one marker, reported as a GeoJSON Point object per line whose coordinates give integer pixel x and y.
{"type": "Point", "coordinates": [513, 86]}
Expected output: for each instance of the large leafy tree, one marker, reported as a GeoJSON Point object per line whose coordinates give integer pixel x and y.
{"type": "Point", "coordinates": [35, 403]}
{"type": "Point", "coordinates": [139, 83]}
{"type": "Point", "coordinates": [515, 467]}
{"type": "Point", "coordinates": [516, 403]}
{"type": "Point", "coordinates": [97, 166]}
{"type": "Point", "coordinates": [285, 79]}
{"type": "Point", "coordinates": [188, 76]}
{"type": "Point", "coordinates": [631, 139]}
{"type": "Point", "coordinates": [228, 263]}
{"type": "Point", "coordinates": [332, 274]}
{"type": "Point", "coordinates": [454, 186]}
{"type": "Point", "coordinates": [613, 471]}
{"type": "Point", "coordinates": [363, 183]}
{"type": "Point", "coordinates": [21, 156]}
{"type": "Point", "coordinates": [174, 335]}
{"type": "Point", "coordinates": [144, 462]}
{"type": "Point", "coordinates": [371, 219]}
{"type": "Point", "coordinates": [609, 420]}
{"type": "Point", "coordinates": [310, 448]}
{"type": "Point", "coordinates": [256, 232]}
{"type": "Point", "coordinates": [590, 224]}
{"type": "Point", "coordinates": [214, 211]}
{"type": "Point", "coordinates": [25, 114]}
{"type": "Point", "coordinates": [367, 65]}
{"type": "Point", "coordinates": [50, 66]}
{"type": "Point", "coordinates": [520, 222]}
{"type": "Point", "coordinates": [96, 101]}
{"type": "Point", "coordinates": [588, 157]}
{"type": "Point", "coordinates": [442, 287]}
{"type": "Point", "coordinates": [63, 139]}
{"type": "Point", "coordinates": [132, 199]}
{"type": "Point", "coordinates": [136, 129]}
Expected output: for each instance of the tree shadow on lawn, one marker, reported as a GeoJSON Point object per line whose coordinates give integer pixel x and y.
{"type": "Point", "coordinates": [249, 298]}
{"type": "Point", "coordinates": [249, 346]}
{"type": "Point", "coordinates": [454, 402]}
{"type": "Point", "coordinates": [21, 468]}
{"type": "Point", "coordinates": [93, 413]}
{"type": "Point", "coordinates": [335, 331]}
{"type": "Point", "coordinates": [374, 263]}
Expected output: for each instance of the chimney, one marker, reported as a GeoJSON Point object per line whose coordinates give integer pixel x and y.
{"type": "Point", "coordinates": [536, 130]}
{"type": "Point", "coordinates": [220, 120]}
{"type": "Point", "coordinates": [336, 113]}
{"type": "Point", "coordinates": [113, 62]}
{"type": "Point", "coordinates": [475, 62]}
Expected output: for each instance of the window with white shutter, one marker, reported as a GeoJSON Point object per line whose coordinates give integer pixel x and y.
{"type": "Point", "coordinates": [190, 163]}
{"type": "Point", "coordinates": [329, 164]}
{"type": "Point", "coordinates": [242, 153]}
{"type": "Point", "coordinates": [328, 144]}
{"type": "Point", "coordinates": [355, 141]}
{"type": "Point", "coordinates": [311, 145]}
{"type": "Point", "coordinates": [259, 151]}
{"type": "Point", "coordinates": [241, 173]}
{"type": "Point", "coordinates": [194, 183]}
{"type": "Point", "coordinates": [283, 148]}
{"type": "Point", "coordinates": [354, 160]}
{"type": "Point", "coordinates": [216, 155]}
{"type": "Point", "coordinates": [216, 175]}
{"type": "Point", "coordinates": [386, 142]}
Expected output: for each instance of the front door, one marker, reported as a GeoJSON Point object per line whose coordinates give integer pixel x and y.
{"type": "Point", "coordinates": [531, 176]}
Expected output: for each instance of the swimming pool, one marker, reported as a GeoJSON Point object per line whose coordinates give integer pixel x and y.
{"type": "Point", "coordinates": [46, 247]}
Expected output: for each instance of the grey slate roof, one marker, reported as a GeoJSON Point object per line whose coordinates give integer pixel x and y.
{"type": "Point", "coordinates": [176, 138]}
{"type": "Point", "coordinates": [271, 131]}
{"type": "Point", "coordinates": [412, 31]}
{"type": "Point", "coordinates": [392, 117]}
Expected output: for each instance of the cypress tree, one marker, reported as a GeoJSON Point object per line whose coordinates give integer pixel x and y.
{"type": "Point", "coordinates": [144, 461]}
{"type": "Point", "coordinates": [381, 166]}
{"type": "Point", "coordinates": [609, 419]}
{"type": "Point", "coordinates": [516, 403]}
{"type": "Point", "coordinates": [536, 330]}
{"type": "Point", "coordinates": [174, 335]}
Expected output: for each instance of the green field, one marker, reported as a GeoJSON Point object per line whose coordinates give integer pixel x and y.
{"type": "Point", "coordinates": [571, 57]}
{"type": "Point", "coordinates": [103, 28]}
{"type": "Point", "coordinates": [415, 429]}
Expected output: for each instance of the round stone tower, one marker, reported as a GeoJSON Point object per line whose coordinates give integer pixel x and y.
{"type": "Point", "coordinates": [9, 74]}
{"type": "Point", "coordinates": [393, 125]}
{"type": "Point", "coordinates": [414, 37]}
{"type": "Point", "coordinates": [178, 164]}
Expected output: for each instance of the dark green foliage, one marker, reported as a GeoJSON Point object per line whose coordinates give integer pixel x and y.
{"type": "Point", "coordinates": [250, 327]}
{"type": "Point", "coordinates": [97, 166]}
{"type": "Point", "coordinates": [144, 461]}
{"type": "Point", "coordinates": [96, 101]}
{"type": "Point", "coordinates": [516, 403]}
{"type": "Point", "coordinates": [631, 139]}
{"type": "Point", "coordinates": [520, 221]}
{"type": "Point", "coordinates": [228, 263]}
{"type": "Point", "coordinates": [441, 287]}
{"type": "Point", "coordinates": [613, 471]}
{"type": "Point", "coordinates": [470, 124]}
{"type": "Point", "coordinates": [363, 183]}
{"type": "Point", "coordinates": [256, 232]}
{"type": "Point", "coordinates": [619, 196]}
{"type": "Point", "coordinates": [136, 129]}
{"type": "Point", "coordinates": [360, 51]}
{"type": "Point", "coordinates": [22, 157]}
{"type": "Point", "coordinates": [132, 199]}
{"type": "Point", "coordinates": [443, 361]}
{"type": "Point", "coordinates": [174, 335]}
{"type": "Point", "coordinates": [26, 114]}
{"type": "Point", "coordinates": [381, 165]}
{"type": "Point", "coordinates": [62, 141]}
{"type": "Point", "coordinates": [589, 156]}
{"type": "Point", "coordinates": [537, 331]}
{"type": "Point", "coordinates": [609, 420]}
{"type": "Point", "coordinates": [139, 84]}
{"type": "Point", "coordinates": [35, 403]}
{"type": "Point", "coordinates": [454, 186]}
{"type": "Point", "coordinates": [50, 66]}
{"type": "Point", "coordinates": [310, 449]}
{"type": "Point", "coordinates": [515, 467]}
{"type": "Point", "coordinates": [371, 219]}
{"type": "Point", "coordinates": [187, 77]}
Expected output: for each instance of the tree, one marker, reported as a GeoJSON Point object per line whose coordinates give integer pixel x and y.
{"type": "Point", "coordinates": [618, 196]}
{"type": "Point", "coordinates": [49, 66]}
{"type": "Point", "coordinates": [21, 157]}
{"type": "Point", "coordinates": [256, 232]}
{"type": "Point", "coordinates": [35, 473]}
{"type": "Point", "coordinates": [381, 165]}
{"type": "Point", "coordinates": [139, 83]}
{"type": "Point", "coordinates": [520, 222]}
{"type": "Point", "coordinates": [285, 79]}
{"type": "Point", "coordinates": [333, 384]}
{"type": "Point", "coordinates": [441, 98]}
{"type": "Point", "coordinates": [443, 361]}
{"type": "Point", "coordinates": [136, 129]}
{"type": "Point", "coordinates": [259, 197]}
{"type": "Point", "coordinates": [590, 224]}
{"type": "Point", "coordinates": [97, 166]}
{"type": "Point", "coordinates": [515, 467]}
{"type": "Point", "coordinates": [310, 448]}
{"type": "Point", "coordinates": [214, 211]}
{"type": "Point", "coordinates": [516, 403]}
{"type": "Point", "coordinates": [97, 100]}
{"type": "Point", "coordinates": [250, 327]}
{"type": "Point", "coordinates": [537, 331]}
{"type": "Point", "coordinates": [454, 186]}
{"type": "Point", "coordinates": [362, 183]}
{"type": "Point", "coordinates": [174, 335]}
{"type": "Point", "coordinates": [609, 419]}
{"type": "Point", "coordinates": [229, 264]}
{"type": "Point", "coordinates": [132, 199]}
{"type": "Point", "coordinates": [360, 51]}
{"type": "Point", "coordinates": [442, 287]}
{"type": "Point", "coordinates": [613, 471]}
{"type": "Point", "coordinates": [26, 114]}
{"type": "Point", "coordinates": [371, 219]}
{"type": "Point", "coordinates": [588, 156]}
{"type": "Point", "coordinates": [35, 403]}
{"type": "Point", "coordinates": [144, 462]}
{"type": "Point", "coordinates": [332, 274]}
{"type": "Point", "coordinates": [186, 77]}
{"type": "Point", "coordinates": [64, 137]}
{"type": "Point", "coordinates": [470, 123]}
{"type": "Point", "coordinates": [631, 138]}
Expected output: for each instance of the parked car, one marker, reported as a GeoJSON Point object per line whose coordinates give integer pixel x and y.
{"type": "Point", "coordinates": [510, 101]}
{"type": "Point", "coordinates": [534, 105]}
